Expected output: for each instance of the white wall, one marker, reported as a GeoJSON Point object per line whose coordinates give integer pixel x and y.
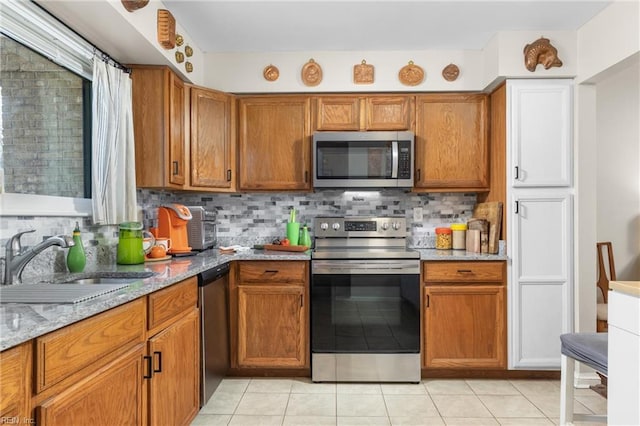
{"type": "Point", "coordinates": [607, 45]}
{"type": "Point", "coordinates": [618, 168]}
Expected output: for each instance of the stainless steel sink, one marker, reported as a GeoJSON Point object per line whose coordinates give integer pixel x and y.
{"type": "Point", "coordinates": [71, 289]}
{"type": "Point", "coordinates": [105, 277]}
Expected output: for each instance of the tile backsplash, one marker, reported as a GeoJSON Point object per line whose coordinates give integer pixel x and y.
{"type": "Point", "coordinates": [244, 219]}
{"type": "Point", "coordinates": [248, 219]}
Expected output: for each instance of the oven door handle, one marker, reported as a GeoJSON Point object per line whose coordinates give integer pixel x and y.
{"type": "Point", "coordinates": [394, 159]}
{"type": "Point", "coordinates": [364, 268]}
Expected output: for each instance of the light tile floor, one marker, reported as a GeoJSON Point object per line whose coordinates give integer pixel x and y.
{"type": "Point", "coordinates": [298, 401]}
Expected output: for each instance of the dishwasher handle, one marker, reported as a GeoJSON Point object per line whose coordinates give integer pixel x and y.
{"type": "Point", "coordinates": [210, 275]}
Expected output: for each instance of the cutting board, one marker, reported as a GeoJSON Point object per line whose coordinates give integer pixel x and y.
{"type": "Point", "coordinates": [285, 248]}
{"type": "Point", "coordinates": [492, 212]}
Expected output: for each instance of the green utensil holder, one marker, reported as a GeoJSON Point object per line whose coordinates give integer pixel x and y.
{"type": "Point", "coordinates": [293, 232]}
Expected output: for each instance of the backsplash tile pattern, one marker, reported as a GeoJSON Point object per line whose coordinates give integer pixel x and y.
{"type": "Point", "coordinates": [248, 219]}
{"type": "Point", "coordinates": [244, 219]}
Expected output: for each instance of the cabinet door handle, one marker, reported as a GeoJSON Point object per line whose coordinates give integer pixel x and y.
{"type": "Point", "coordinates": [229, 175]}
{"type": "Point", "coordinates": [465, 271]}
{"type": "Point", "coordinates": [159, 354]}
{"type": "Point", "coordinates": [427, 300]}
{"type": "Point", "coordinates": [517, 176]}
{"type": "Point", "coordinates": [306, 176]}
{"type": "Point", "coordinates": [517, 207]}
{"type": "Point", "coordinates": [418, 175]}
{"type": "Point", "coordinates": [301, 300]}
{"type": "Point", "coordinates": [175, 167]}
{"type": "Point", "coordinates": [149, 367]}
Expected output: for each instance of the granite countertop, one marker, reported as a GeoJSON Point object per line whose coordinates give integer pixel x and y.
{"type": "Point", "coordinates": [22, 322]}
{"type": "Point", "coordinates": [631, 288]}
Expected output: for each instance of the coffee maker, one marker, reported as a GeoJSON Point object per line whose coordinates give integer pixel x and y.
{"type": "Point", "coordinates": [172, 224]}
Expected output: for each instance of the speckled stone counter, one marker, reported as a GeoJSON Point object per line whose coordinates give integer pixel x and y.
{"type": "Point", "coordinates": [22, 322]}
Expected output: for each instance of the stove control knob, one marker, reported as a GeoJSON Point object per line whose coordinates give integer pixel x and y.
{"type": "Point", "coordinates": [396, 226]}
{"type": "Point", "coordinates": [385, 226]}
{"type": "Point", "coordinates": [335, 226]}
{"type": "Point", "coordinates": [324, 226]}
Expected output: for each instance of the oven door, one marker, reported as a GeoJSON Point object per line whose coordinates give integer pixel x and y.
{"type": "Point", "coordinates": [365, 306]}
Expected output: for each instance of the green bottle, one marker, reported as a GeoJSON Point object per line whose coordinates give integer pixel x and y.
{"type": "Point", "coordinates": [76, 258]}
{"type": "Point", "coordinates": [305, 238]}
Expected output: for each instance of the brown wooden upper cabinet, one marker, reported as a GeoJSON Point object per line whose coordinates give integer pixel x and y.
{"type": "Point", "coordinates": [452, 143]}
{"type": "Point", "coordinates": [274, 143]}
{"type": "Point", "coordinates": [159, 115]}
{"type": "Point", "coordinates": [212, 148]}
{"type": "Point", "coordinates": [363, 112]}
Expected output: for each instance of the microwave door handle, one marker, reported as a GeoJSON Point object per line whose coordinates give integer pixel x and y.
{"type": "Point", "coordinates": [394, 159]}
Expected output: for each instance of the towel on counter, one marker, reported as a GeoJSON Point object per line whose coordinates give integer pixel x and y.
{"type": "Point", "coordinates": [233, 249]}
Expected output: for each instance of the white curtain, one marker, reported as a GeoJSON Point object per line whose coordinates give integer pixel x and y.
{"type": "Point", "coordinates": [113, 152]}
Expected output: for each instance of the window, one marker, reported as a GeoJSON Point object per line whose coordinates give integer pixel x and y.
{"type": "Point", "coordinates": [45, 129]}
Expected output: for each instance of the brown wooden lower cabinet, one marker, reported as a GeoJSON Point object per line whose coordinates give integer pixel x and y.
{"type": "Point", "coordinates": [270, 315]}
{"type": "Point", "coordinates": [464, 315]}
{"type": "Point", "coordinates": [174, 387]}
{"type": "Point", "coordinates": [271, 326]}
{"type": "Point", "coordinates": [113, 395]}
{"type": "Point", "coordinates": [113, 368]}
{"type": "Point", "coordinates": [15, 383]}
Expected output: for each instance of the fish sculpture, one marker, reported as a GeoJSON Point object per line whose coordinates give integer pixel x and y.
{"type": "Point", "coordinates": [541, 52]}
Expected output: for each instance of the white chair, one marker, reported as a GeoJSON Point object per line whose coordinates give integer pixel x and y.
{"type": "Point", "coordinates": [591, 350]}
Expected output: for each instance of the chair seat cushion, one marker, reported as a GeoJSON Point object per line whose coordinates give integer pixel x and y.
{"type": "Point", "coordinates": [602, 312]}
{"type": "Point", "coordinates": [587, 348]}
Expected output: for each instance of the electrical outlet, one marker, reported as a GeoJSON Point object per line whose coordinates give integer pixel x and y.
{"type": "Point", "coordinates": [417, 214]}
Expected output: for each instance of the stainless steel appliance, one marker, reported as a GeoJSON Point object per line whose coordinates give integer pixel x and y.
{"type": "Point", "coordinates": [363, 159]}
{"type": "Point", "coordinates": [365, 301]}
{"type": "Point", "coordinates": [214, 335]}
{"type": "Point", "coordinates": [202, 228]}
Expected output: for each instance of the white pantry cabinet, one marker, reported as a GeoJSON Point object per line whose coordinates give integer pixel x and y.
{"type": "Point", "coordinates": [540, 215]}
{"type": "Point", "coordinates": [541, 137]}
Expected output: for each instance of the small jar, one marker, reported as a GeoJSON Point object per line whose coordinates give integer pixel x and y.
{"type": "Point", "coordinates": [443, 238]}
{"type": "Point", "coordinates": [459, 231]}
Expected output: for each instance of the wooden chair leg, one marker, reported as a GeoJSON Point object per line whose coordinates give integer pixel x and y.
{"type": "Point", "coordinates": [566, 390]}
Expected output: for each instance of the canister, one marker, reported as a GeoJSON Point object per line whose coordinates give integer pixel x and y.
{"type": "Point", "coordinates": [443, 238]}
{"type": "Point", "coordinates": [459, 232]}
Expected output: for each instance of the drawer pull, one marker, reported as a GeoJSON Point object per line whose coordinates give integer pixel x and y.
{"type": "Point", "coordinates": [159, 370]}
{"type": "Point", "coordinates": [149, 367]}
{"type": "Point", "coordinates": [465, 271]}
{"type": "Point", "coordinates": [271, 271]}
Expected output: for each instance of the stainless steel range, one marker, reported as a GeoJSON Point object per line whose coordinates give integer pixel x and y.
{"type": "Point", "coordinates": [365, 301]}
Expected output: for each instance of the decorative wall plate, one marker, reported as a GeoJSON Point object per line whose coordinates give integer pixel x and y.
{"type": "Point", "coordinates": [133, 5]}
{"type": "Point", "coordinates": [179, 40]}
{"type": "Point", "coordinates": [311, 73]}
{"type": "Point", "coordinates": [188, 51]}
{"type": "Point", "coordinates": [166, 29]}
{"type": "Point", "coordinates": [271, 73]}
{"type": "Point", "coordinates": [188, 66]}
{"type": "Point", "coordinates": [179, 57]}
{"type": "Point", "coordinates": [363, 73]}
{"type": "Point", "coordinates": [451, 72]}
{"type": "Point", "coordinates": [411, 75]}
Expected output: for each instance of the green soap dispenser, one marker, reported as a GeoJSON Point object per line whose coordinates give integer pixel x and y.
{"type": "Point", "coordinates": [76, 258]}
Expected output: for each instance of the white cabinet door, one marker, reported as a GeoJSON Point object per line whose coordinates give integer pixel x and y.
{"type": "Point", "coordinates": [540, 276]}
{"type": "Point", "coordinates": [539, 129]}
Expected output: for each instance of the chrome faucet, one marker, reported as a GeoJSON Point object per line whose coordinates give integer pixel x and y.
{"type": "Point", "coordinates": [16, 259]}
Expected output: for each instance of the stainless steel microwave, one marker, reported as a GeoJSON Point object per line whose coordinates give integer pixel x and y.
{"type": "Point", "coordinates": [363, 159]}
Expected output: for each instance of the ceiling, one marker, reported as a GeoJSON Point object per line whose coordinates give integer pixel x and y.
{"type": "Point", "coordinates": [267, 26]}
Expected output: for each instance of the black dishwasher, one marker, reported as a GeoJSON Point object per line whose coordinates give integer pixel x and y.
{"type": "Point", "coordinates": [213, 286]}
